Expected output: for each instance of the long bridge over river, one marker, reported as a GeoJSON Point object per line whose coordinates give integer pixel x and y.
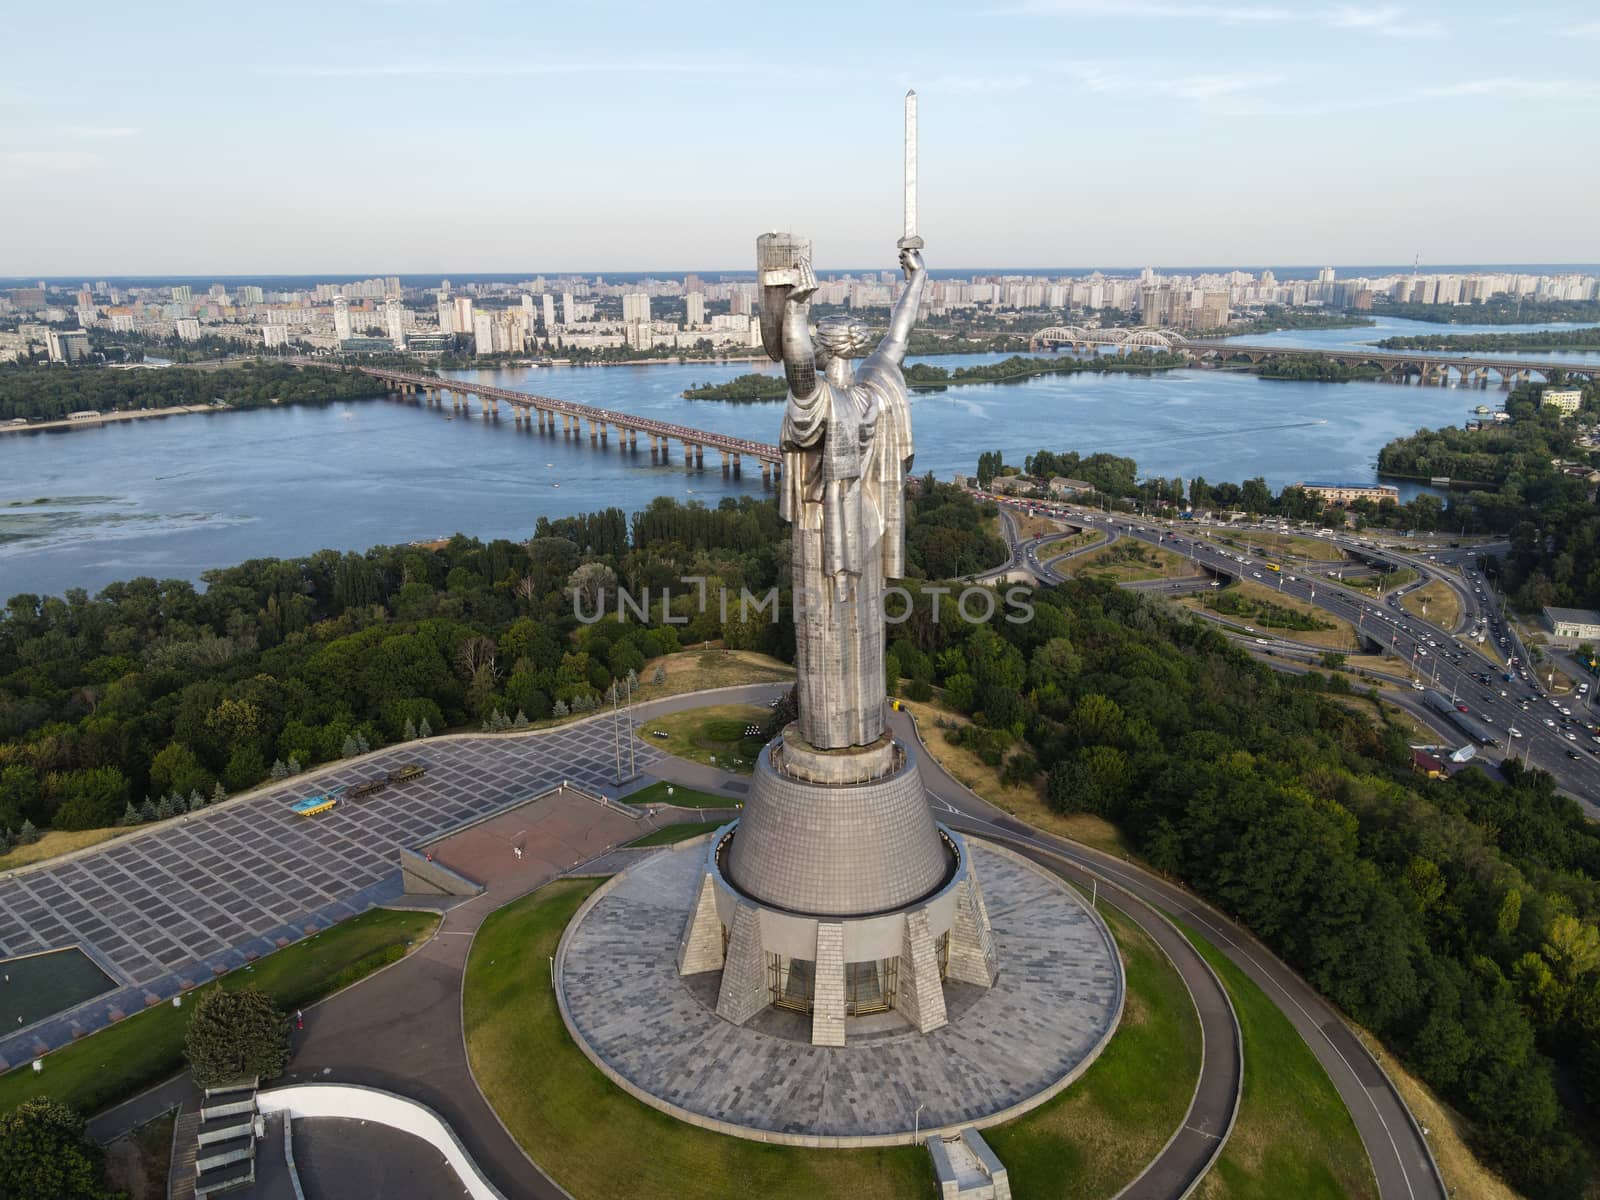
{"type": "Point", "coordinates": [528, 409]}
{"type": "Point", "coordinates": [1397, 365]}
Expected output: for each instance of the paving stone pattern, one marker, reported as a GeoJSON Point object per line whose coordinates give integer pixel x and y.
{"type": "Point", "coordinates": [207, 893]}
{"type": "Point", "coordinates": [1058, 990]}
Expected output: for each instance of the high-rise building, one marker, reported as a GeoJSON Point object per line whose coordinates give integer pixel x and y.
{"type": "Point", "coordinates": [447, 314]}
{"type": "Point", "coordinates": [188, 329]}
{"type": "Point", "coordinates": [391, 286]}
{"type": "Point", "coordinates": [483, 333]}
{"type": "Point", "coordinates": [341, 318]}
{"type": "Point", "coordinates": [568, 317]}
{"type": "Point", "coordinates": [65, 345]}
{"type": "Point", "coordinates": [394, 321]}
{"type": "Point", "coordinates": [636, 307]}
{"type": "Point", "coordinates": [692, 284]}
{"type": "Point", "coordinates": [695, 303]}
{"type": "Point", "coordinates": [183, 293]}
{"type": "Point", "coordinates": [463, 322]}
{"type": "Point", "coordinates": [549, 311]}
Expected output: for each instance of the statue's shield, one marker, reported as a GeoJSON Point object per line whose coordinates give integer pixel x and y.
{"type": "Point", "coordinates": [777, 256]}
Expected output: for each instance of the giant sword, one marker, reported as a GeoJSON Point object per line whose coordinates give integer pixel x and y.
{"type": "Point", "coordinates": [911, 241]}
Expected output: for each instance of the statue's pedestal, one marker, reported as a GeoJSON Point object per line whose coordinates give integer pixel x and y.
{"type": "Point", "coordinates": [837, 894]}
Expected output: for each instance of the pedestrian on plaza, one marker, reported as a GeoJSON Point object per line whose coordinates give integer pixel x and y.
{"type": "Point", "coordinates": [299, 1018]}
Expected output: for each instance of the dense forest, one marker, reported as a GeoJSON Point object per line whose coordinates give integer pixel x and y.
{"type": "Point", "coordinates": [1455, 918]}
{"type": "Point", "coordinates": [152, 689]}
{"type": "Point", "coordinates": [1498, 310]}
{"type": "Point", "coordinates": [43, 393]}
{"type": "Point", "coordinates": [1587, 338]}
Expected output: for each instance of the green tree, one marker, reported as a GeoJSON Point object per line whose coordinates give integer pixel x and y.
{"type": "Point", "coordinates": [44, 1155]}
{"type": "Point", "coordinates": [235, 1035]}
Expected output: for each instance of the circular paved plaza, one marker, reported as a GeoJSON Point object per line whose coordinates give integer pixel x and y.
{"type": "Point", "coordinates": [1006, 1049]}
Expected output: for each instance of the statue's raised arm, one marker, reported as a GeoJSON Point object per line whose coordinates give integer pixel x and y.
{"type": "Point", "coordinates": [904, 316]}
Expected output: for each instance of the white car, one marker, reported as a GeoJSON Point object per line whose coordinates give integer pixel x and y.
{"type": "Point", "coordinates": [1416, 687]}
{"type": "Point", "coordinates": [1549, 722]}
{"type": "Point", "coordinates": [1572, 737]}
{"type": "Point", "coordinates": [1514, 732]}
{"type": "Point", "coordinates": [1261, 641]}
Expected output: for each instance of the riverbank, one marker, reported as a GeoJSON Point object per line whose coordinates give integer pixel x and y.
{"type": "Point", "coordinates": [106, 418]}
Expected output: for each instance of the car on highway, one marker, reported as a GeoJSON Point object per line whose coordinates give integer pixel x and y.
{"type": "Point", "coordinates": [1261, 641]}
{"type": "Point", "coordinates": [1514, 731]}
{"type": "Point", "coordinates": [1549, 722]}
{"type": "Point", "coordinates": [1573, 754]}
{"type": "Point", "coordinates": [1461, 708]}
{"type": "Point", "coordinates": [1415, 686]}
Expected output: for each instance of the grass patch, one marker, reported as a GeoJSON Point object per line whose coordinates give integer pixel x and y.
{"type": "Point", "coordinates": [1100, 1132]}
{"type": "Point", "coordinates": [1129, 561]}
{"type": "Point", "coordinates": [593, 1138]}
{"type": "Point", "coordinates": [1332, 632]}
{"type": "Point", "coordinates": [54, 842]}
{"type": "Point", "coordinates": [683, 797]}
{"type": "Point", "coordinates": [1294, 1136]}
{"type": "Point", "coordinates": [1381, 582]}
{"type": "Point", "coordinates": [1255, 544]}
{"type": "Point", "coordinates": [714, 736]}
{"type": "Point", "coordinates": [137, 1163]}
{"type": "Point", "coordinates": [1436, 602]}
{"type": "Point", "coordinates": [1024, 800]}
{"type": "Point", "coordinates": [1061, 547]}
{"type": "Point", "coordinates": [118, 1061]}
{"type": "Point", "coordinates": [668, 834]}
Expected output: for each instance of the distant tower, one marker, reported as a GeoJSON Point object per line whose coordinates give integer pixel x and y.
{"type": "Point", "coordinates": [341, 318]}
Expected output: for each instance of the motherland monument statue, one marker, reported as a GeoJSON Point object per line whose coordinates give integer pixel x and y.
{"type": "Point", "coordinates": [836, 893]}
{"type": "Point", "coordinates": [847, 452]}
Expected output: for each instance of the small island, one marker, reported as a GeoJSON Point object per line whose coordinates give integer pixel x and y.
{"type": "Point", "coordinates": [1586, 338]}
{"type": "Point", "coordinates": [924, 377]}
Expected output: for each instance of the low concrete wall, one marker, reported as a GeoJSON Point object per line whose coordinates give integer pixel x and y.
{"type": "Point", "coordinates": [423, 876]}
{"type": "Point", "coordinates": [312, 1100]}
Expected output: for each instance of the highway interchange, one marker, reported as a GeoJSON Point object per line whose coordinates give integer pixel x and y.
{"type": "Point", "coordinates": [1556, 734]}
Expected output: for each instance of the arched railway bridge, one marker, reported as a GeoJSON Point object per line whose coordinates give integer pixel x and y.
{"type": "Point", "coordinates": [528, 409]}
{"type": "Point", "coordinates": [1396, 365]}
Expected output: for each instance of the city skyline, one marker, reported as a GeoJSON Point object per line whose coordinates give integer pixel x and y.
{"type": "Point", "coordinates": [457, 137]}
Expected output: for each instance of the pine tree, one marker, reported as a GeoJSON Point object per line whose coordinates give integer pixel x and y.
{"type": "Point", "coordinates": [660, 676]}
{"type": "Point", "coordinates": [234, 1035]}
{"type": "Point", "coordinates": [560, 709]}
{"type": "Point", "coordinates": [520, 721]}
{"type": "Point", "coordinates": [411, 729]}
{"type": "Point", "coordinates": [28, 834]}
{"type": "Point", "coordinates": [424, 729]}
{"type": "Point", "coordinates": [294, 765]}
{"type": "Point", "coordinates": [633, 678]}
{"type": "Point", "coordinates": [130, 816]}
{"type": "Point", "coordinates": [196, 807]}
{"type": "Point", "coordinates": [278, 771]}
{"type": "Point", "coordinates": [362, 745]}
{"type": "Point", "coordinates": [148, 810]}
{"type": "Point", "coordinates": [218, 794]}
{"type": "Point", "coordinates": [179, 805]}
{"type": "Point", "coordinates": [349, 749]}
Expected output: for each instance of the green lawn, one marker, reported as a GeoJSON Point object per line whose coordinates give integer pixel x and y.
{"type": "Point", "coordinates": [683, 797]}
{"type": "Point", "coordinates": [1294, 1136]}
{"type": "Point", "coordinates": [593, 1138]}
{"type": "Point", "coordinates": [713, 735]}
{"type": "Point", "coordinates": [1098, 1134]}
{"type": "Point", "coordinates": [598, 1142]}
{"type": "Point", "coordinates": [118, 1061]}
{"type": "Point", "coordinates": [668, 834]}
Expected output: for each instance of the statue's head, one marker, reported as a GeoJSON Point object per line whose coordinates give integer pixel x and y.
{"type": "Point", "coordinates": [843, 337]}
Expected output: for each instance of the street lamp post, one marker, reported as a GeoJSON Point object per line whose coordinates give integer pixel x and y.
{"type": "Point", "coordinates": [916, 1125]}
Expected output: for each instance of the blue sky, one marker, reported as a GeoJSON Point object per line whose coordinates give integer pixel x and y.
{"type": "Point", "coordinates": [392, 136]}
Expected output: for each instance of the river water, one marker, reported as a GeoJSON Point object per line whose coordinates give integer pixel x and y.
{"type": "Point", "coordinates": [176, 496]}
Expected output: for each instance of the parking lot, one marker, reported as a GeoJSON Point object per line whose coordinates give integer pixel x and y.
{"type": "Point", "coordinates": [199, 895]}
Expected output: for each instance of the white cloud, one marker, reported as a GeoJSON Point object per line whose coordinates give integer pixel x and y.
{"type": "Point", "coordinates": [1512, 87]}
{"type": "Point", "coordinates": [18, 163]}
{"type": "Point", "coordinates": [1385, 20]}
{"type": "Point", "coordinates": [519, 70]}
{"type": "Point", "coordinates": [100, 132]}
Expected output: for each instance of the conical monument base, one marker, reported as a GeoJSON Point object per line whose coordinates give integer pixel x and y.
{"type": "Point", "coordinates": [838, 895]}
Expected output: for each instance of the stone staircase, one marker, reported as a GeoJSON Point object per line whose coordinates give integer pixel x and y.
{"type": "Point", "coordinates": [223, 1147]}
{"type": "Point", "coordinates": [967, 1169]}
